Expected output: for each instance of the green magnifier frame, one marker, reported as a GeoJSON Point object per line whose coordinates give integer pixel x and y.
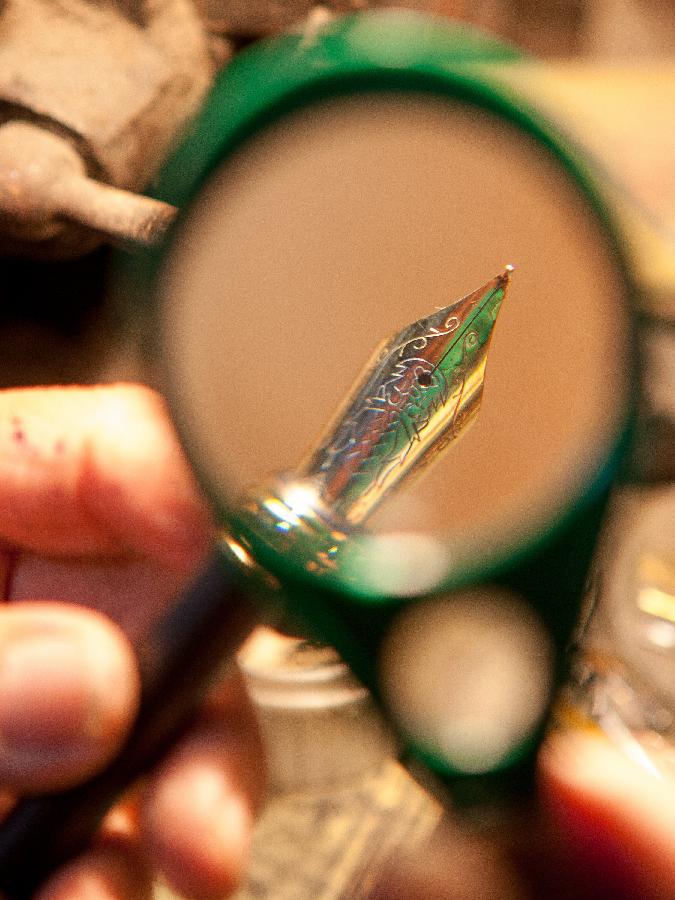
{"type": "Point", "coordinates": [397, 53]}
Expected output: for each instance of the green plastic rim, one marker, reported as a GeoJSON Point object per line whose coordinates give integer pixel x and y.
{"type": "Point", "coordinates": [374, 52]}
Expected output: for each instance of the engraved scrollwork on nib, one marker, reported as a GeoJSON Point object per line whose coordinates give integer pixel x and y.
{"type": "Point", "coordinates": [427, 380]}
{"type": "Point", "coordinates": [419, 394]}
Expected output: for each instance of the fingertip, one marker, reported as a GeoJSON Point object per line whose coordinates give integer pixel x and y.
{"type": "Point", "coordinates": [199, 832]}
{"type": "Point", "coordinates": [69, 691]}
{"type": "Point", "coordinates": [614, 809]}
{"type": "Point", "coordinates": [589, 766]}
{"type": "Point", "coordinates": [99, 470]}
{"type": "Point", "coordinates": [198, 817]}
{"type": "Point", "coordinates": [208, 861]}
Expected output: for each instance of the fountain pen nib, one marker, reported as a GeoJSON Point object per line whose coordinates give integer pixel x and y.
{"type": "Point", "coordinates": [421, 391]}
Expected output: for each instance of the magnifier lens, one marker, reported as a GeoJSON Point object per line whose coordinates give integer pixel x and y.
{"type": "Point", "coordinates": [349, 218]}
{"type": "Point", "coordinates": [469, 676]}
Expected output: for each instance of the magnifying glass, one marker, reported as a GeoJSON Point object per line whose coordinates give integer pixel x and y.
{"type": "Point", "coordinates": [336, 187]}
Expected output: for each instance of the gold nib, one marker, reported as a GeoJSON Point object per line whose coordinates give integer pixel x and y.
{"type": "Point", "coordinates": [420, 392]}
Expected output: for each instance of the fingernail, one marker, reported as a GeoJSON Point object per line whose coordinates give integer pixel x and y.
{"type": "Point", "coordinates": [46, 695]}
{"type": "Point", "coordinates": [62, 700]}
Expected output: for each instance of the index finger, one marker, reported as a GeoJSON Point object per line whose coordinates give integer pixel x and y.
{"type": "Point", "coordinates": [97, 471]}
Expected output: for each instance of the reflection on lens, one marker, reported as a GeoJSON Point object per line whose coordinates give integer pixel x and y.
{"type": "Point", "coordinates": [467, 676]}
{"type": "Point", "coordinates": [400, 563]}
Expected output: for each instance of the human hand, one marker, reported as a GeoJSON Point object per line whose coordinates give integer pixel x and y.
{"type": "Point", "coordinates": [98, 509]}
{"type": "Point", "coordinates": [605, 831]}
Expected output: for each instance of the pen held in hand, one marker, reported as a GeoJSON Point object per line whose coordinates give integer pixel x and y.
{"type": "Point", "coordinates": [416, 396]}
{"type": "Point", "coordinates": [177, 661]}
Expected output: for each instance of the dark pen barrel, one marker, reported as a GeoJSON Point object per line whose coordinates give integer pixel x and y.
{"type": "Point", "coordinates": [188, 643]}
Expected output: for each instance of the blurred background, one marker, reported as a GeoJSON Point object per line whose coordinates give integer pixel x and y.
{"type": "Point", "coordinates": [599, 29]}
{"type": "Point", "coordinates": [609, 81]}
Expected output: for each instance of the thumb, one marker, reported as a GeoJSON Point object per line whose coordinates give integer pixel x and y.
{"type": "Point", "coordinates": [68, 694]}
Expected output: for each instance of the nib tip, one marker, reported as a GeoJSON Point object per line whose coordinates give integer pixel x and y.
{"type": "Point", "coordinates": [506, 274]}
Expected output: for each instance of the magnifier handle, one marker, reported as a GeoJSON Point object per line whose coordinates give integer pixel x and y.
{"type": "Point", "coordinates": [188, 644]}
